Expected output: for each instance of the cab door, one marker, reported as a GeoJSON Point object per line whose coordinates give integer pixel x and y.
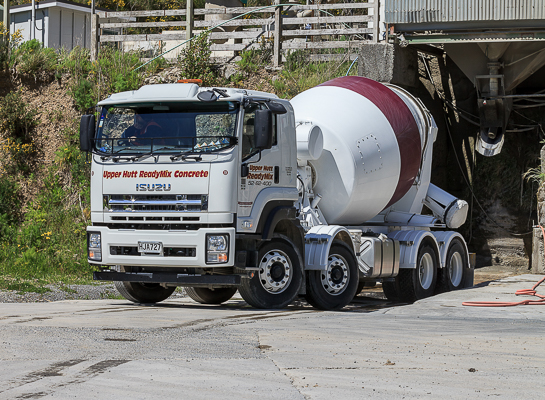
{"type": "Point", "coordinates": [270, 179]}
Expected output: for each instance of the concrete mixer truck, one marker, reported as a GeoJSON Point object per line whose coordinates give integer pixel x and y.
{"type": "Point", "coordinates": [222, 189]}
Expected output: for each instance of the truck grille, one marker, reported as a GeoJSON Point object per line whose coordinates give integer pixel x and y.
{"type": "Point", "coordinates": [149, 203]}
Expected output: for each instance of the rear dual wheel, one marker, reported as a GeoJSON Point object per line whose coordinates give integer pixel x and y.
{"type": "Point", "coordinates": [418, 283]}
{"type": "Point", "coordinates": [451, 277]}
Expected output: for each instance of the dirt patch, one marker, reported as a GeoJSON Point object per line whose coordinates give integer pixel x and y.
{"type": "Point", "coordinates": [57, 122]}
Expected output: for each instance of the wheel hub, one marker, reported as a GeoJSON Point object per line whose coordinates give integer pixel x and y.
{"type": "Point", "coordinates": [455, 269]}
{"type": "Point", "coordinates": [425, 271]}
{"type": "Point", "coordinates": [275, 271]}
{"type": "Point", "coordinates": [335, 278]}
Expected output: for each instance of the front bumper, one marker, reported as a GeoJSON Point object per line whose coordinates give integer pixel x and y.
{"type": "Point", "coordinates": [113, 239]}
{"type": "Point", "coordinates": [171, 278]}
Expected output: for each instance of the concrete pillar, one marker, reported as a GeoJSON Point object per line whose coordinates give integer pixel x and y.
{"type": "Point", "coordinates": [538, 266]}
{"type": "Point", "coordinates": [389, 63]}
{"type": "Point", "coordinates": [538, 255]}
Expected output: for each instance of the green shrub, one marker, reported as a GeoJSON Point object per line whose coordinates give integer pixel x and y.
{"type": "Point", "coordinates": [16, 118]}
{"type": "Point", "coordinates": [296, 59]}
{"type": "Point", "coordinates": [8, 43]}
{"type": "Point", "coordinates": [255, 59]}
{"type": "Point", "coordinates": [113, 72]}
{"type": "Point", "coordinates": [9, 204]}
{"type": "Point", "coordinates": [32, 59]}
{"type": "Point", "coordinates": [82, 93]}
{"type": "Point", "coordinates": [194, 61]}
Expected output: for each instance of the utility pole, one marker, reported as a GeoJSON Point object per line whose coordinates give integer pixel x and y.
{"type": "Point", "coordinates": [94, 32]}
{"type": "Point", "coordinates": [189, 20]}
{"type": "Point", "coordinates": [33, 21]}
{"type": "Point", "coordinates": [6, 15]}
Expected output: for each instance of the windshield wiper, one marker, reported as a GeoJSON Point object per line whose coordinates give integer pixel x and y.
{"type": "Point", "coordinates": [113, 154]}
{"type": "Point", "coordinates": [151, 153]}
{"type": "Point", "coordinates": [185, 156]}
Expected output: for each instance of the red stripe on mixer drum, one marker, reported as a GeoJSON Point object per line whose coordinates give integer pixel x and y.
{"type": "Point", "coordinates": [401, 120]}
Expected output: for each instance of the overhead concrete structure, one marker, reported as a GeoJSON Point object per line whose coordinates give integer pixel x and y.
{"type": "Point", "coordinates": [497, 44]}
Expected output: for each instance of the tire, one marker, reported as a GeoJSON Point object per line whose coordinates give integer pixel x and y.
{"type": "Point", "coordinates": [364, 284]}
{"type": "Point", "coordinates": [391, 290]}
{"type": "Point", "coordinates": [210, 296]}
{"type": "Point", "coordinates": [451, 277]}
{"type": "Point", "coordinates": [361, 285]}
{"type": "Point", "coordinates": [138, 292]}
{"type": "Point", "coordinates": [279, 278]}
{"type": "Point", "coordinates": [336, 287]}
{"type": "Point", "coordinates": [419, 283]}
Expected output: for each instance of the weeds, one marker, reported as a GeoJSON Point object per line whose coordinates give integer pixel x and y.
{"type": "Point", "coordinates": [255, 59]}
{"type": "Point", "coordinates": [194, 62]}
{"type": "Point", "coordinates": [534, 175]}
{"type": "Point", "coordinates": [16, 117]}
{"type": "Point", "coordinates": [8, 44]}
{"type": "Point", "coordinates": [299, 74]}
{"type": "Point", "coordinates": [33, 60]}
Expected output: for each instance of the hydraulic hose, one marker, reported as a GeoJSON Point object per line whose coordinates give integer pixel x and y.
{"type": "Point", "coordinates": [521, 292]}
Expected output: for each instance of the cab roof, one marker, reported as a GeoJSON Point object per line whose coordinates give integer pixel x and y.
{"type": "Point", "coordinates": [169, 92]}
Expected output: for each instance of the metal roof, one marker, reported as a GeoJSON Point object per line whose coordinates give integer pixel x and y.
{"type": "Point", "coordinates": [429, 11]}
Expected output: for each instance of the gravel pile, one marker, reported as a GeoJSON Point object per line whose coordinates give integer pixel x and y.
{"type": "Point", "coordinates": [68, 292]}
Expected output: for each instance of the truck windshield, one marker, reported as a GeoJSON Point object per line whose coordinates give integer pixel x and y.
{"type": "Point", "coordinates": [166, 128]}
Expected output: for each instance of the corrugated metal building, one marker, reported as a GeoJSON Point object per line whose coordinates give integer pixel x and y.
{"type": "Point", "coordinates": [433, 14]}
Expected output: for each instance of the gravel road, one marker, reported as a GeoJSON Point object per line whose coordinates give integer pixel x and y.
{"type": "Point", "coordinates": [60, 292]}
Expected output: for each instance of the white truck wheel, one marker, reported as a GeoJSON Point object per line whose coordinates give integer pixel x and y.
{"type": "Point", "coordinates": [451, 277]}
{"type": "Point", "coordinates": [335, 287]}
{"type": "Point", "coordinates": [418, 283]}
{"type": "Point", "coordinates": [278, 279]}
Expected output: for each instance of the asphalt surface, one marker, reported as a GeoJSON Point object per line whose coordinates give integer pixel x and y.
{"type": "Point", "coordinates": [113, 349]}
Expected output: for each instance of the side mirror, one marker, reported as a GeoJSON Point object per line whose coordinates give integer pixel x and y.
{"type": "Point", "coordinates": [263, 129]}
{"type": "Point", "coordinates": [277, 108]}
{"type": "Point", "coordinates": [86, 132]}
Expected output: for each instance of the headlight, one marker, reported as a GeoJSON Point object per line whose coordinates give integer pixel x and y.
{"type": "Point", "coordinates": [94, 250]}
{"type": "Point", "coordinates": [217, 243]}
{"type": "Point", "coordinates": [217, 249]}
{"type": "Point", "coordinates": [94, 240]}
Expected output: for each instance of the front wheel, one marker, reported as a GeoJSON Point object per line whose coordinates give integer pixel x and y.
{"type": "Point", "coordinates": [278, 279]}
{"type": "Point", "coordinates": [139, 292]}
{"type": "Point", "coordinates": [210, 296]}
{"type": "Point", "coordinates": [419, 282]}
{"type": "Point", "coordinates": [335, 287]}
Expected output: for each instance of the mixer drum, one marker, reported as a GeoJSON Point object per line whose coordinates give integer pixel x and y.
{"type": "Point", "coordinates": [371, 146]}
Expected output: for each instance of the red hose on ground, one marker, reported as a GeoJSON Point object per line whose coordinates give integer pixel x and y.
{"type": "Point", "coordinates": [521, 292]}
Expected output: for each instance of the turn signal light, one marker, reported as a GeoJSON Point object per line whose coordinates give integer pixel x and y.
{"type": "Point", "coordinates": [197, 81]}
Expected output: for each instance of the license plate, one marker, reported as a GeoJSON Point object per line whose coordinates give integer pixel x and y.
{"type": "Point", "coordinates": [150, 247]}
